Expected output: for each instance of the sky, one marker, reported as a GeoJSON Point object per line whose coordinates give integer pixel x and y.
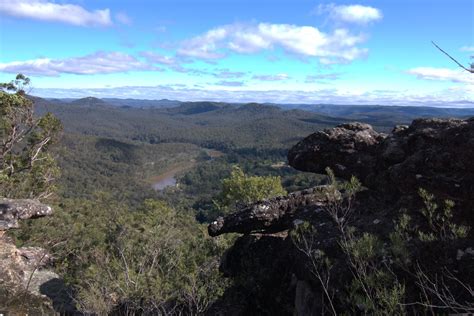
{"type": "Point", "coordinates": [277, 51]}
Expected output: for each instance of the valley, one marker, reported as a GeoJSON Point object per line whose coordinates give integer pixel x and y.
{"type": "Point", "coordinates": [236, 158]}
{"type": "Point", "coordinates": [153, 179]}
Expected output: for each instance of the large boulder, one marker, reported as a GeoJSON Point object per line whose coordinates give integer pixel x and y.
{"type": "Point", "coordinates": [27, 286]}
{"type": "Point", "coordinates": [435, 154]}
{"type": "Point", "coordinates": [274, 276]}
{"type": "Point", "coordinates": [349, 149]}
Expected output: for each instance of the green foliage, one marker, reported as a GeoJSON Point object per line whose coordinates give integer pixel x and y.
{"type": "Point", "coordinates": [339, 199]}
{"type": "Point", "coordinates": [377, 294]}
{"type": "Point", "coordinates": [375, 289]}
{"type": "Point", "coordinates": [399, 239]}
{"type": "Point", "coordinates": [27, 168]}
{"type": "Point", "coordinates": [247, 128]}
{"type": "Point", "coordinates": [350, 188]}
{"type": "Point", "coordinates": [144, 259]}
{"type": "Point", "coordinates": [124, 169]}
{"type": "Point", "coordinates": [367, 247]}
{"type": "Point", "coordinates": [303, 237]}
{"type": "Point", "coordinates": [241, 188]}
{"type": "Point", "coordinates": [439, 220]}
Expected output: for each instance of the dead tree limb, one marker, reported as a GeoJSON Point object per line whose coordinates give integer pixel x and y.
{"type": "Point", "coordinates": [471, 70]}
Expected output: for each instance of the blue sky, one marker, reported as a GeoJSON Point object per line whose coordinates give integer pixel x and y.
{"type": "Point", "coordinates": [292, 51]}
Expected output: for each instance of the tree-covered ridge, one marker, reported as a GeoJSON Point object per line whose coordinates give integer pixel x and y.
{"type": "Point", "coordinates": [123, 248]}
{"type": "Point", "coordinates": [117, 246]}
{"type": "Point", "coordinates": [207, 124]}
{"type": "Point", "coordinates": [123, 168]}
{"type": "Point", "coordinates": [27, 169]}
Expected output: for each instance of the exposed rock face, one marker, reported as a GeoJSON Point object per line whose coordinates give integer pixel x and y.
{"type": "Point", "coordinates": [270, 216]}
{"type": "Point", "coordinates": [13, 210]}
{"type": "Point", "coordinates": [348, 149]}
{"type": "Point", "coordinates": [22, 270]}
{"type": "Point", "coordinates": [434, 154]}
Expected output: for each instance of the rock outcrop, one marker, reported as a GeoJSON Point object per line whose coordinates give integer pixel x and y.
{"type": "Point", "coordinates": [13, 210]}
{"type": "Point", "coordinates": [23, 272]}
{"type": "Point", "coordinates": [270, 216]}
{"type": "Point", "coordinates": [349, 149]}
{"type": "Point", "coordinates": [434, 154]}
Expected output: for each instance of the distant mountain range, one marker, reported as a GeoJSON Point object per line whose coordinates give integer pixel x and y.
{"type": "Point", "coordinates": [373, 114]}
{"type": "Point", "coordinates": [377, 115]}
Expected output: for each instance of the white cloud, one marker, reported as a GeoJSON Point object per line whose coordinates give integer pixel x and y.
{"type": "Point", "coordinates": [469, 49]}
{"type": "Point", "coordinates": [277, 77]}
{"type": "Point", "coordinates": [355, 13]}
{"type": "Point", "coordinates": [205, 46]}
{"type": "Point", "coordinates": [153, 57]}
{"type": "Point", "coordinates": [442, 74]}
{"type": "Point", "coordinates": [96, 63]}
{"type": "Point", "coordinates": [455, 98]}
{"type": "Point", "coordinates": [340, 46]}
{"type": "Point", "coordinates": [51, 11]}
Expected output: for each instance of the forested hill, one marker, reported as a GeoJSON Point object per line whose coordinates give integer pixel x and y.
{"type": "Point", "coordinates": [377, 115]}
{"type": "Point", "coordinates": [121, 149]}
{"type": "Point", "coordinates": [209, 124]}
{"type": "Point", "coordinates": [385, 115]}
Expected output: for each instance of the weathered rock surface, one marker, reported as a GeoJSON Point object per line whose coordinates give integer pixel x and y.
{"type": "Point", "coordinates": [270, 216]}
{"type": "Point", "coordinates": [434, 154]}
{"type": "Point", "coordinates": [13, 210]}
{"type": "Point", "coordinates": [24, 273]}
{"type": "Point", "coordinates": [348, 149]}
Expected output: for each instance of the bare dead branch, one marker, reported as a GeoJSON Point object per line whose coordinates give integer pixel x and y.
{"type": "Point", "coordinates": [458, 63]}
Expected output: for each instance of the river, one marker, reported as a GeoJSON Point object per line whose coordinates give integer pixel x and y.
{"type": "Point", "coordinates": [163, 183]}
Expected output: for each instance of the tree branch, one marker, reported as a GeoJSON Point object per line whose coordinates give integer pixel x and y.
{"type": "Point", "coordinates": [458, 63]}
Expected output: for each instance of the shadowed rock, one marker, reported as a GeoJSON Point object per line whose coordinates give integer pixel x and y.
{"type": "Point", "coordinates": [436, 154]}
{"type": "Point", "coordinates": [23, 271]}
{"type": "Point", "coordinates": [348, 149]}
{"type": "Point", "coordinates": [274, 274]}
{"type": "Point", "coordinates": [13, 210]}
{"type": "Point", "coordinates": [269, 216]}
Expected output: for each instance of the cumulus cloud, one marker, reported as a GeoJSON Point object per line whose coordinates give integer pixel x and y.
{"type": "Point", "coordinates": [277, 77]}
{"type": "Point", "coordinates": [96, 63]}
{"type": "Point", "coordinates": [354, 13]}
{"type": "Point", "coordinates": [206, 45]}
{"type": "Point", "coordinates": [51, 11]}
{"type": "Point", "coordinates": [442, 74]}
{"type": "Point", "coordinates": [340, 46]}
